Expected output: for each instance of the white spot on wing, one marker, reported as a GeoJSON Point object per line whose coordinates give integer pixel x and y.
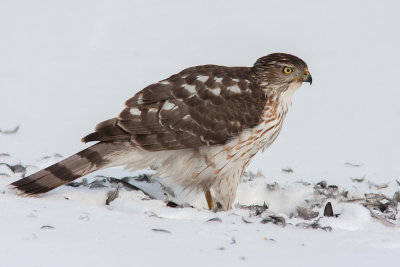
{"type": "Point", "coordinates": [164, 82]}
{"type": "Point", "coordinates": [135, 111]}
{"type": "Point", "coordinates": [186, 117]}
{"type": "Point", "coordinates": [216, 91]}
{"type": "Point", "coordinates": [202, 78]}
{"type": "Point", "coordinates": [140, 99]}
{"type": "Point", "coordinates": [153, 110]}
{"type": "Point", "coordinates": [236, 80]}
{"type": "Point", "coordinates": [190, 88]}
{"type": "Point", "coordinates": [218, 79]}
{"type": "Point", "coordinates": [169, 106]}
{"type": "Point", "coordinates": [234, 89]}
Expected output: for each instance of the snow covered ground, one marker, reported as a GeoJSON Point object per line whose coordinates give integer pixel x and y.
{"type": "Point", "coordinates": [72, 226]}
{"type": "Point", "coordinates": [68, 65]}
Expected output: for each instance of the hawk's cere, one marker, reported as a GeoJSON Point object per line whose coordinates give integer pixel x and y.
{"type": "Point", "coordinates": [200, 127]}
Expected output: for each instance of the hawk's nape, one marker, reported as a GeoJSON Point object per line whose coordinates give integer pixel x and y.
{"type": "Point", "coordinates": [96, 157]}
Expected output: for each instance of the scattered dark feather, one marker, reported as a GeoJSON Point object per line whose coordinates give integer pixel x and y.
{"type": "Point", "coordinates": [216, 219]}
{"type": "Point", "coordinates": [322, 184]}
{"type": "Point", "coordinates": [306, 213]}
{"type": "Point", "coordinates": [246, 221]}
{"type": "Point", "coordinates": [314, 225]}
{"type": "Point", "coordinates": [328, 210]}
{"type": "Point", "coordinates": [143, 178]}
{"type": "Point", "coordinates": [112, 195]}
{"type": "Point", "coordinates": [160, 231]}
{"type": "Point", "coordinates": [18, 168]}
{"type": "Point", "coordinates": [278, 220]}
{"type": "Point", "coordinates": [47, 227]}
{"type": "Point", "coordinates": [358, 180]}
{"type": "Point", "coordinates": [255, 210]}
{"type": "Point", "coordinates": [13, 131]}
{"type": "Point", "coordinates": [352, 164]}
{"type": "Point", "coordinates": [129, 186]}
{"type": "Point", "coordinates": [288, 170]}
{"type": "Point", "coordinates": [172, 204]}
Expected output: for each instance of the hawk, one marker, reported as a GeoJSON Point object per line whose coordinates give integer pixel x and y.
{"type": "Point", "coordinates": [200, 127]}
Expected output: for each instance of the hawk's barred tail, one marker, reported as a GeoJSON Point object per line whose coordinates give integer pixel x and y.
{"type": "Point", "coordinates": [84, 162]}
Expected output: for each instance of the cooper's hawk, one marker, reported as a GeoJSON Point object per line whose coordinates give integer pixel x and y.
{"type": "Point", "coordinates": [200, 127]}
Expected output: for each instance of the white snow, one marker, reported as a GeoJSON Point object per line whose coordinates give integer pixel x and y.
{"type": "Point", "coordinates": [65, 66]}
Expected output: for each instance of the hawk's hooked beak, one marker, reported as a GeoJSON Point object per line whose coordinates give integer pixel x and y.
{"type": "Point", "coordinates": [307, 77]}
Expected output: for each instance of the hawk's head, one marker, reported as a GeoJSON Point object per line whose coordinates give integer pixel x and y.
{"type": "Point", "coordinates": [278, 71]}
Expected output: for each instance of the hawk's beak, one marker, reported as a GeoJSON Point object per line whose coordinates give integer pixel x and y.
{"type": "Point", "coordinates": [307, 77]}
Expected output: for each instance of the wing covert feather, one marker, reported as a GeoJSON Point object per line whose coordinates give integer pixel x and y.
{"type": "Point", "coordinates": [203, 105]}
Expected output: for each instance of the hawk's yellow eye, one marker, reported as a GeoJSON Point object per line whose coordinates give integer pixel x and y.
{"type": "Point", "coordinates": [287, 70]}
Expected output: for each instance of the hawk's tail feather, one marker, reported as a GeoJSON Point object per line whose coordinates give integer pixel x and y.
{"type": "Point", "coordinates": [82, 163]}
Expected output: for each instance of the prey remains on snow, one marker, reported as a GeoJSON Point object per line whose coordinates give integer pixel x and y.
{"type": "Point", "coordinates": [200, 127]}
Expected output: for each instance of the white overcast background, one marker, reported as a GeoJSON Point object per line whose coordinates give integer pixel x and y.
{"type": "Point", "coordinates": [67, 65]}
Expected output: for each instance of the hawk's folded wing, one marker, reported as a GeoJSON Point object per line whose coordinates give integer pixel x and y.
{"type": "Point", "coordinates": [203, 105]}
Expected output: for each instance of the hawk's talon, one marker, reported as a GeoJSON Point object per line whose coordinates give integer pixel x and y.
{"type": "Point", "coordinates": [218, 208]}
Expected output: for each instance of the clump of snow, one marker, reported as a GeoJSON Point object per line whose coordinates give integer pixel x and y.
{"type": "Point", "coordinates": [266, 217]}
{"type": "Point", "coordinates": [353, 217]}
{"type": "Point", "coordinates": [281, 199]}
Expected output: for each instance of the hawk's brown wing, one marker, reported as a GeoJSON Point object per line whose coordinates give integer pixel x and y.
{"type": "Point", "coordinates": [203, 105]}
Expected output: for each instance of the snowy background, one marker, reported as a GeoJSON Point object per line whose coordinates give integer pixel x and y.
{"type": "Point", "coordinates": [67, 65]}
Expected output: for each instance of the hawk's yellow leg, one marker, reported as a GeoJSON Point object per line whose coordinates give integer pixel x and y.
{"type": "Point", "coordinates": [209, 199]}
